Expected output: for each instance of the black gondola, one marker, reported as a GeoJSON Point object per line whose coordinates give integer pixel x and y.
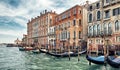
{"type": "Point", "coordinates": [26, 48]}
{"type": "Point", "coordinates": [21, 49]}
{"type": "Point", "coordinates": [66, 54]}
{"type": "Point", "coordinates": [96, 60]}
{"type": "Point", "coordinates": [36, 51]}
{"type": "Point", "coordinates": [43, 50]}
{"type": "Point", "coordinates": [113, 61]}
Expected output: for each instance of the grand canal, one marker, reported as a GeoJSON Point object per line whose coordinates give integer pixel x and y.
{"type": "Point", "coordinates": [13, 59]}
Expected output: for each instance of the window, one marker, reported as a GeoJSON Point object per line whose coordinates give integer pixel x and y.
{"type": "Point", "coordinates": [98, 29]}
{"type": "Point", "coordinates": [68, 24]}
{"type": "Point", "coordinates": [95, 30]}
{"type": "Point", "coordinates": [50, 21]}
{"type": "Point", "coordinates": [80, 11]}
{"type": "Point", "coordinates": [118, 39]}
{"type": "Point", "coordinates": [74, 22]}
{"type": "Point", "coordinates": [98, 5]}
{"type": "Point", "coordinates": [74, 11]}
{"type": "Point", "coordinates": [69, 14]}
{"type": "Point", "coordinates": [119, 10]}
{"type": "Point", "coordinates": [91, 30]}
{"type": "Point", "coordinates": [74, 35]}
{"type": "Point", "coordinates": [109, 28]}
{"type": "Point", "coordinates": [79, 22]}
{"type": "Point", "coordinates": [107, 14]}
{"type": "Point", "coordinates": [98, 41]}
{"type": "Point", "coordinates": [90, 8]}
{"type": "Point", "coordinates": [107, 1]}
{"type": "Point", "coordinates": [69, 35]}
{"type": "Point", "coordinates": [98, 15]}
{"type": "Point", "coordinates": [90, 41]}
{"type": "Point", "coordinates": [90, 18]}
{"type": "Point", "coordinates": [117, 25]}
{"type": "Point", "coordinates": [79, 34]}
{"type": "Point", "coordinates": [66, 34]}
{"type": "Point", "coordinates": [105, 28]}
{"type": "Point", "coordinates": [116, 11]}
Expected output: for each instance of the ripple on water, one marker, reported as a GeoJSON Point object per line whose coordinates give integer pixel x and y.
{"type": "Point", "coordinates": [13, 59]}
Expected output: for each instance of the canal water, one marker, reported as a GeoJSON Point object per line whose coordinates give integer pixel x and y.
{"type": "Point", "coordinates": [13, 59]}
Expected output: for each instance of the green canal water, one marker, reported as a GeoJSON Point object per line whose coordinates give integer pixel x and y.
{"type": "Point", "coordinates": [13, 59]}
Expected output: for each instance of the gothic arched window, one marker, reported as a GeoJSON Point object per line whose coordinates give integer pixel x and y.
{"type": "Point", "coordinates": [98, 15]}
{"type": "Point", "coordinates": [90, 17]}
{"type": "Point", "coordinates": [117, 25]}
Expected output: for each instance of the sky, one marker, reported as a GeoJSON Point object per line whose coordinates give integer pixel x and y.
{"type": "Point", "coordinates": [14, 15]}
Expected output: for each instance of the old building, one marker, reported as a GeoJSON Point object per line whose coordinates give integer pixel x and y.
{"type": "Point", "coordinates": [17, 42]}
{"type": "Point", "coordinates": [45, 23]}
{"type": "Point", "coordinates": [111, 21]}
{"type": "Point", "coordinates": [103, 23]}
{"type": "Point", "coordinates": [95, 24]}
{"type": "Point", "coordinates": [69, 28]}
{"type": "Point", "coordinates": [38, 28]}
{"type": "Point", "coordinates": [25, 40]}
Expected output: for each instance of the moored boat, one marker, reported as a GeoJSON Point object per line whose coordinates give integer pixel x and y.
{"type": "Point", "coordinates": [36, 51]}
{"type": "Point", "coordinates": [26, 48]}
{"type": "Point", "coordinates": [43, 50]}
{"type": "Point", "coordinates": [114, 61]}
{"type": "Point", "coordinates": [21, 48]}
{"type": "Point", "coordinates": [29, 48]}
{"type": "Point", "coordinates": [95, 60]}
{"type": "Point", "coordinates": [65, 54]}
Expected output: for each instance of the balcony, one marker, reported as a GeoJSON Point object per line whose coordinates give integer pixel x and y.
{"type": "Point", "coordinates": [51, 33]}
{"type": "Point", "coordinates": [107, 18]}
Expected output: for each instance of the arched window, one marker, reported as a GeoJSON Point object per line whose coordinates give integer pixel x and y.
{"type": "Point", "coordinates": [105, 28]}
{"type": "Point", "coordinates": [109, 28]}
{"type": "Point", "coordinates": [95, 30]}
{"type": "Point", "coordinates": [98, 29]}
{"type": "Point", "coordinates": [91, 30]}
{"type": "Point", "coordinates": [90, 17]}
{"type": "Point", "coordinates": [98, 15]}
{"type": "Point", "coordinates": [117, 26]}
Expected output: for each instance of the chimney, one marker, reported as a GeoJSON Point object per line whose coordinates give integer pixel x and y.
{"type": "Point", "coordinates": [40, 13]}
{"type": "Point", "coordinates": [87, 2]}
{"type": "Point", "coordinates": [45, 11]}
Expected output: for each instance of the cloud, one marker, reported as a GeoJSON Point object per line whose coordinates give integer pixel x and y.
{"type": "Point", "coordinates": [14, 14]}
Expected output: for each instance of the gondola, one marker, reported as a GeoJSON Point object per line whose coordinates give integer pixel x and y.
{"type": "Point", "coordinates": [113, 61]}
{"type": "Point", "coordinates": [66, 54]}
{"type": "Point", "coordinates": [96, 60]}
{"type": "Point", "coordinates": [21, 49]}
{"type": "Point", "coordinates": [43, 50]}
{"type": "Point", "coordinates": [36, 51]}
{"type": "Point", "coordinates": [26, 48]}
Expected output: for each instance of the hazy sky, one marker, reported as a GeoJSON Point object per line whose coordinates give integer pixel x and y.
{"type": "Point", "coordinates": [14, 14]}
